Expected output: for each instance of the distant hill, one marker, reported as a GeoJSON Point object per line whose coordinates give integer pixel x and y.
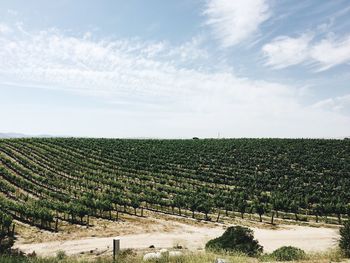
{"type": "Point", "coordinates": [12, 135]}
{"type": "Point", "coordinates": [21, 135]}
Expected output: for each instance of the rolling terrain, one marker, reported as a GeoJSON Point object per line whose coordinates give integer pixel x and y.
{"type": "Point", "coordinates": [46, 181]}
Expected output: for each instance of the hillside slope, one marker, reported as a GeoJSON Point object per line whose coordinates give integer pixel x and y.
{"type": "Point", "coordinates": [48, 180]}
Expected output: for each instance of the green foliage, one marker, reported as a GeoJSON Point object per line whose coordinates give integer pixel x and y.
{"type": "Point", "coordinates": [6, 244]}
{"type": "Point", "coordinates": [288, 253]}
{"type": "Point", "coordinates": [60, 255]}
{"type": "Point", "coordinates": [236, 239]}
{"type": "Point", "coordinates": [75, 178]}
{"type": "Point", "coordinates": [6, 233]}
{"type": "Point", "coordinates": [344, 242]}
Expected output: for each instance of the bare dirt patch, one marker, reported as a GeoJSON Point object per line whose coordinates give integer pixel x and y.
{"type": "Point", "coordinates": [164, 231]}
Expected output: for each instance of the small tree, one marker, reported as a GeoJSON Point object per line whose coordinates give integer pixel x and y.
{"type": "Point", "coordinates": [318, 210]}
{"type": "Point", "coordinates": [105, 204]}
{"type": "Point", "coordinates": [294, 208]}
{"type": "Point", "coordinates": [242, 206]}
{"type": "Point", "coordinates": [135, 203]}
{"type": "Point", "coordinates": [179, 202]}
{"type": "Point", "coordinates": [6, 236]}
{"type": "Point", "coordinates": [193, 203]}
{"type": "Point", "coordinates": [344, 242]}
{"type": "Point", "coordinates": [219, 203]}
{"type": "Point", "coordinates": [205, 206]}
{"type": "Point", "coordinates": [339, 209]}
{"type": "Point", "coordinates": [277, 204]}
{"type": "Point", "coordinates": [260, 209]}
{"type": "Point", "coordinates": [236, 238]}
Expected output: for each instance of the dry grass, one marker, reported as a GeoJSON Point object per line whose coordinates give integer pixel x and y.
{"type": "Point", "coordinates": [197, 257]}
{"type": "Point", "coordinates": [151, 222]}
{"type": "Point", "coordinates": [127, 224]}
{"type": "Point", "coordinates": [333, 255]}
{"type": "Point", "coordinates": [189, 257]}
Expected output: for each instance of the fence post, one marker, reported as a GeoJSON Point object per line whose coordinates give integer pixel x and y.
{"type": "Point", "coordinates": [116, 248]}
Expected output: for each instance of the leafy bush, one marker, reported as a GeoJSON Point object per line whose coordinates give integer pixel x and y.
{"type": "Point", "coordinates": [344, 242]}
{"type": "Point", "coordinates": [288, 253]}
{"type": "Point", "coordinates": [5, 244]}
{"type": "Point", "coordinates": [236, 238]}
{"type": "Point", "coordinates": [60, 255]}
{"type": "Point", "coordinates": [6, 235]}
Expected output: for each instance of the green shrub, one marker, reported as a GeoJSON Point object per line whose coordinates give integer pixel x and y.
{"type": "Point", "coordinates": [5, 244]}
{"type": "Point", "coordinates": [60, 255]}
{"type": "Point", "coordinates": [288, 253]}
{"type": "Point", "coordinates": [236, 239]}
{"type": "Point", "coordinates": [344, 242]}
{"type": "Point", "coordinates": [6, 235]}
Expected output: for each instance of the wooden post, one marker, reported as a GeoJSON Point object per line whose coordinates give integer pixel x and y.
{"type": "Point", "coordinates": [56, 225]}
{"type": "Point", "coordinates": [116, 248]}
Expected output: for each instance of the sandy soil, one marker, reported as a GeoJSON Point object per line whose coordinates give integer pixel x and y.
{"type": "Point", "coordinates": [190, 236]}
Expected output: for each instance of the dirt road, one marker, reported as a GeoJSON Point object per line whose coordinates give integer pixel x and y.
{"type": "Point", "coordinates": [193, 238]}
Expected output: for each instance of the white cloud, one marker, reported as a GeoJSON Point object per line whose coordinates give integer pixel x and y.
{"type": "Point", "coordinates": [286, 51]}
{"type": "Point", "coordinates": [337, 104]}
{"type": "Point", "coordinates": [4, 28]}
{"type": "Point", "coordinates": [124, 69]}
{"type": "Point", "coordinates": [331, 52]}
{"type": "Point", "coordinates": [12, 12]}
{"type": "Point", "coordinates": [149, 85]}
{"type": "Point", "coordinates": [234, 21]}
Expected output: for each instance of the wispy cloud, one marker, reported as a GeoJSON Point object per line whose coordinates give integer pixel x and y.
{"type": "Point", "coordinates": [322, 55]}
{"type": "Point", "coordinates": [51, 59]}
{"type": "Point", "coordinates": [337, 104]}
{"type": "Point", "coordinates": [4, 28]}
{"type": "Point", "coordinates": [124, 69]}
{"type": "Point", "coordinates": [154, 79]}
{"type": "Point", "coordinates": [285, 51]}
{"type": "Point", "coordinates": [12, 12]}
{"type": "Point", "coordinates": [330, 52]}
{"type": "Point", "coordinates": [235, 21]}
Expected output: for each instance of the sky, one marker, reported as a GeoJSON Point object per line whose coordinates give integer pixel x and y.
{"type": "Point", "coordinates": [175, 69]}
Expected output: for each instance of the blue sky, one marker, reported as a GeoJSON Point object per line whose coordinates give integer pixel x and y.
{"type": "Point", "coordinates": [175, 69]}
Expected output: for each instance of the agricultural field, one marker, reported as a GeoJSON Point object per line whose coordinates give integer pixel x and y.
{"type": "Point", "coordinates": [45, 181]}
{"type": "Point", "coordinates": [55, 184]}
{"type": "Point", "coordinates": [211, 131]}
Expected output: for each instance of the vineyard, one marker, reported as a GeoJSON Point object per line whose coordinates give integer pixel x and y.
{"type": "Point", "coordinates": [46, 181]}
